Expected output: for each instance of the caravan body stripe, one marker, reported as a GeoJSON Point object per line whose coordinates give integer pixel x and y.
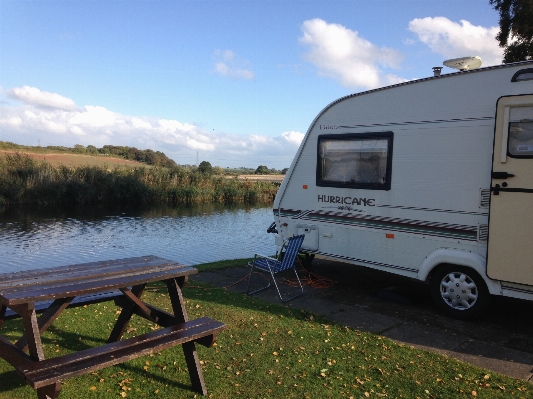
{"type": "Point", "coordinates": [363, 261]}
{"type": "Point", "coordinates": [444, 230]}
{"type": "Point", "coordinates": [407, 123]}
{"type": "Point", "coordinates": [413, 208]}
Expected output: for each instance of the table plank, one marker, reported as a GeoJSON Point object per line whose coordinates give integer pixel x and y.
{"type": "Point", "coordinates": [46, 275]}
{"type": "Point", "coordinates": [108, 349]}
{"type": "Point", "coordinates": [83, 288]}
{"type": "Point", "coordinates": [60, 278]}
{"type": "Point", "coordinates": [59, 282]}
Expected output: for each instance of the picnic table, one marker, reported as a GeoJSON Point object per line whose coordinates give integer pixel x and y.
{"type": "Point", "coordinates": [52, 290]}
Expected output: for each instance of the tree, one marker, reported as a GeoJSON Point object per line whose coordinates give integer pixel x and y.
{"type": "Point", "coordinates": [205, 168]}
{"type": "Point", "coordinates": [91, 149]}
{"type": "Point", "coordinates": [79, 149]}
{"type": "Point", "coordinates": [516, 29]}
{"type": "Point", "coordinates": [262, 170]}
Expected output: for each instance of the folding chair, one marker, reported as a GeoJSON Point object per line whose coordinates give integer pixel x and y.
{"type": "Point", "coordinates": [286, 259]}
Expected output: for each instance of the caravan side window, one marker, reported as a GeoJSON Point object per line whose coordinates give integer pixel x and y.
{"type": "Point", "coordinates": [355, 160]}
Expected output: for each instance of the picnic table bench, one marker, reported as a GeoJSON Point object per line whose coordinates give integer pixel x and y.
{"type": "Point", "coordinates": [52, 290]}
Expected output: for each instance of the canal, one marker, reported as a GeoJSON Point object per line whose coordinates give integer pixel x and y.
{"type": "Point", "coordinates": [32, 238]}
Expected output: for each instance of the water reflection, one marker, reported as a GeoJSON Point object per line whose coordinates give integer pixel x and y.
{"type": "Point", "coordinates": [45, 237]}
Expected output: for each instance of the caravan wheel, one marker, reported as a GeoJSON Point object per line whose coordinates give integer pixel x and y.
{"type": "Point", "coordinates": [459, 291]}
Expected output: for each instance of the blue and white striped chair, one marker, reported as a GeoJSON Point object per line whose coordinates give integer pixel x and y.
{"type": "Point", "coordinates": [286, 260]}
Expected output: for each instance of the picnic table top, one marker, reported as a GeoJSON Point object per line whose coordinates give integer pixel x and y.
{"type": "Point", "coordinates": [86, 278]}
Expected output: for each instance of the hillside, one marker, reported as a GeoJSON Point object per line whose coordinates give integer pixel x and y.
{"type": "Point", "coordinates": [148, 157]}
{"type": "Point", "coordinates": [73, 160]}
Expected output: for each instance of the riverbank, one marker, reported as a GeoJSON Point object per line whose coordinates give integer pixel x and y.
{"type": "Point", "coordinates": [24, 180]}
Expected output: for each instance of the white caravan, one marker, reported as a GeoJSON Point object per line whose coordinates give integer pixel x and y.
{"type": "Point", "coordinates": [430, 179]}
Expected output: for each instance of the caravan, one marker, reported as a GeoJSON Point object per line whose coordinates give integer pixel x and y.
{"type": "Point", "coordinates": [430, 179]}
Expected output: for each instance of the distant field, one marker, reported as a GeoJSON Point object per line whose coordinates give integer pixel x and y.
{"type": "Point", "coordinates": [273, 178]}
{"type": "Point", "coordinates": [73, 160]}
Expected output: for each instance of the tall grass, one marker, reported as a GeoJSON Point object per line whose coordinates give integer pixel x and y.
{"type": "Point", "coordinates": [26, 181]}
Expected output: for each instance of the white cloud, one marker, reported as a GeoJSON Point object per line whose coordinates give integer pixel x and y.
{"type": "Point", "coordinates": [293, 137]}
{"type": "Point", "coordinates": [342, 54]}
{"type": "Point", "coordinates": [41, 99]}
{"type": "Point", "coordinates": [96, 125]}
{"type": "Point", "coordinates": [229, 65]}
{"type": "Point", "coordinates": [195, 144]}
{"type": "Point", "coordinates": [15, 121]}
{"type": "Point", "coordinates": [172, 125]}
{"type": "Point", "coordinates": [454, 40]}
{"type": "Point", "coordinates": [92, 116]}
{"type": "Point", "coordinates": [138, 123]}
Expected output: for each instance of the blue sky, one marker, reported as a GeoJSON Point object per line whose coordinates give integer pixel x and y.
{"type": "Point", "coordinates": [235, 82]}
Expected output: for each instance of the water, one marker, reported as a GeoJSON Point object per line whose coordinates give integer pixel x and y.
{"type": "Point", "coordinates": [38, 238]}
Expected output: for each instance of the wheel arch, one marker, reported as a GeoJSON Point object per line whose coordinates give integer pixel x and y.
{"type": "Point", "coordinates": [460, 258]}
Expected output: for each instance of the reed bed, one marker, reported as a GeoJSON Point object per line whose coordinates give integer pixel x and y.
{"type": "Point", "coordinates": [26, 181]}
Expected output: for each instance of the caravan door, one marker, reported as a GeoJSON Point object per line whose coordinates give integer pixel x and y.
{"type": "Point", "coordinates": [510, 240]}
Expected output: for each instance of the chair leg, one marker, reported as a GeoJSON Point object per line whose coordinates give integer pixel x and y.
{"type": "Point", "coordinates": [294, 296]}
{"type": "Point", "coordinates": [248, 292]}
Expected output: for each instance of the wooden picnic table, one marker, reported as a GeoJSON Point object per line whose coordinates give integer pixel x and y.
{"type": "Point", "coordinates": [52, 290]}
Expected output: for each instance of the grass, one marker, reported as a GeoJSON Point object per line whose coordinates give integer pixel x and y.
{"type": "Point", "coordinates": [223, 264]}
{"type": "Point", "coordinates": [268, 351]}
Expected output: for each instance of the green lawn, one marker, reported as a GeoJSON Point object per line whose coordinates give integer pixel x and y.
{"type": "Point", "coordinates": [268, 351]}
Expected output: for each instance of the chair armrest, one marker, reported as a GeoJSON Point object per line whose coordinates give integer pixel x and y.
{"type": "Point", "coordinates": [264, 256]}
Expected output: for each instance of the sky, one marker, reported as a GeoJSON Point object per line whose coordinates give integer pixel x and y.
{"type": "Point", "coordinates": [236, 83]}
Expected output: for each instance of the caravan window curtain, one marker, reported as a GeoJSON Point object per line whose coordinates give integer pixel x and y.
{"type": "Point", "coordinates": [355, 160]}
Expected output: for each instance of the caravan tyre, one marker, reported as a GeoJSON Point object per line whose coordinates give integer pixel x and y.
{"type": "Point", "coordinates": [459, 292]}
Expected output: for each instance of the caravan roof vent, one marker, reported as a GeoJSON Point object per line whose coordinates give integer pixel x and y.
{"type": "Point", "coordinates": [464, 63]}
{"type": "Point", "coordinates": [436, 71]}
